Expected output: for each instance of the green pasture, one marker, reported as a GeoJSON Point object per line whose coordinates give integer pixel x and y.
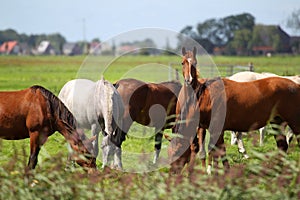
{"type": "Point", "coordinates": [52, 72]}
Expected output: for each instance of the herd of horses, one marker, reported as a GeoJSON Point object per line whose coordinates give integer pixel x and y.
{"type": "Point", "coordinates": [238, 103]}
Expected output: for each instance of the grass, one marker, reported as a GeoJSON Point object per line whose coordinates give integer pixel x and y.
{"type": "Point", "coordinates": [53, 72]}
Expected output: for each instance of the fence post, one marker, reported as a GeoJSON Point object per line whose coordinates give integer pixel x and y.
{"type": "Point", "coordinates": [176, 74]}
{"type": "Point", "coordinates": [251, 67]}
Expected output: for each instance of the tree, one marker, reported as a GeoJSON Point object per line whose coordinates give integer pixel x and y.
{"type": "Point", "coordinates": [293, 21]}
{"type": "Point", "coordinates": [96, 40]}
{"type": "Point", "coordinates": [241, 41]}
{"type": "Point", "coordinates": [190, 33]}
{"type": "Point", "coordinates": [56, 41]}
{"type": "Point", "coordinates": [8, 35]}
{"type": "Point", "coordinates": [221, 31]}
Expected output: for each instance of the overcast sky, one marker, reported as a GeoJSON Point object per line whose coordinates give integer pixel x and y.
{"type": "Point", "coordinates": [89, 19]}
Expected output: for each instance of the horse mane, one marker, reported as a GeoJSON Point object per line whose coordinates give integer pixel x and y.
{"type": "Point", "coordinates": [56, 106]}
{"type": "Point", "coordinates": [201, 87]}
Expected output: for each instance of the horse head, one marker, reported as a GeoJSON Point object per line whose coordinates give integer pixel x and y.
{"type": "Point", "coordinates": [189, 63]}
{"type": "Point", "coordinates": [82, 149]}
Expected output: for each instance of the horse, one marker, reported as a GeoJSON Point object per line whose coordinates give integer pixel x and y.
{"type": "Point", "coordinates": [149, 104]}
{"type": "Point", "coordinates": [221, 104]}
{"type": "Point", "coordinates": [36, 113]}
{"type": "Point", "coordinates": [97, 106]}
{"type": "Point", "coordinates": [236, 137]}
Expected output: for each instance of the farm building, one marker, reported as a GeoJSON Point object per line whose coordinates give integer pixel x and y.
{"type": "Point", "coordinates": [95, 48]}
{"type": "Point", "coordinates": [45, 48]}
{"type": "Point", "coordinates": [270, 39]}
{"type": "Point", "coordinates": [71, 49]}
{"type": "Point", "coordinates": [10, 47]}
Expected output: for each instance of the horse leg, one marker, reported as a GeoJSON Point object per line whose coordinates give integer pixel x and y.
{"type": "Point", "coordinates": [233, 137]}
{"type": "Point", "coordinates": [289, 136]}
{"type": "Point", "coordinates": [240, 144]}
{"type": "Point", "coordinates": [222, 151]}
{"type": "Point", "coordinates": [118, 158]}
{"type": "Point", "coordinates": [295, 130]}
{"type": "Point", "coordinates": [201, 141]}
{"type": "Point", "coordinates": [157, 146]}
{"type": "Point", "coordinates": [194, 148]}
{"type": "Point", "coordinates": [277, 124]}
{"type": "Point", "coordinates": [262, 132]}
{"type": "Point", "coordinates": [36, 141]}
{"type": "Point", "coordinates": [106, 150]}
{"type": "Point", "coordinates": [218, 150]}
{"type": "Point", "coordinates": [95, 132]}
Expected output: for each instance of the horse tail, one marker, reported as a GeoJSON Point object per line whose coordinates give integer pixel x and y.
{"type": "Point", "coordinates": [56, 107]}
{"type": "Point", "coordinates": [118, 110]}
{"type": "Point", "coordinates": [103, 98]}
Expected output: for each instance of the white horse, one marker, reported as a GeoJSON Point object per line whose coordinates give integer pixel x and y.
{"type": "Point", "coordinates": [97, 106]}
{"type": "Point", "coordinates": [236, 137]}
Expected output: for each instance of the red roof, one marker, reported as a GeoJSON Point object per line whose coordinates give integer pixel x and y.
{"type": "Point", "coordinates": [7, 47]}
{"type": "Point", "coordinates": [263, 48]}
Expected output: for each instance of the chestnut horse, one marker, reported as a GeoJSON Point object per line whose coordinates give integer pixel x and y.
{"type": "Point", "coordinates": [221, 104]}
{"type": "Point", "coordinates": [236, 137]}
{"type": "Point", "coordinates": [149, 104]}
{"type": "Point", "coordinates": [36, 113]}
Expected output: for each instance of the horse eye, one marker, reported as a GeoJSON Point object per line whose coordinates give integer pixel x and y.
{"type": "Point", "coordinates": [182, 63]}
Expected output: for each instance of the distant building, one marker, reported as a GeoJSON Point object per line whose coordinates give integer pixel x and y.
{"type": "Point", "coordinates": [71, 49]}
{"type": "Point", "coordinates": [270, 39]}
{"type": "Point", "coordinates": [295, 44]}
{"type": "Point", "coordinates": [95, 48]}
{"type": "Point", "coordinates": [9, 48]}
{"type": "Point", "coordinates": [127, 49]}
{"type": "Point", "coordinates": [45, 48]}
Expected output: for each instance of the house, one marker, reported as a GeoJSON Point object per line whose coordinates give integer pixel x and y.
{"type": "Point", "coordinates": [219, 50]}
{"type": "Point", "coordinates": [295, 44]}
{"type": "Point", "coordinates": [71, 49]}
{"type": "Point", "coordinates": [45, 48]}
{"type": "Point", "coordinates": [268, 39]}
{"type": "Point", "coordinates": [127, 49]}
{"type": "Point", "coordinates": [10, 47]}
{"type": "Point", "coordinates": [95, 48]}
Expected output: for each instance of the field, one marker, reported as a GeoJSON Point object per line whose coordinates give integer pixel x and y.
{"type": "Point", "coordinates": [261, 176]}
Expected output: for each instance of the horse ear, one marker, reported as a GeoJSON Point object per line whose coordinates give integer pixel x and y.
{"type": "Point", "coordinates": [183, 51]}
{"type": "Point", "coordinates": [195, 51]}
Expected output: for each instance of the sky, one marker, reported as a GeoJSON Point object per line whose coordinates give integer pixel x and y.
{"type": "Point", "coordinates": [77, 20]}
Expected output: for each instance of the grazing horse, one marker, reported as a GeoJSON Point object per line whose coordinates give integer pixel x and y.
{"type": "Point", "coordinates": [236, 137]}
{"type": "Point", "coordinates": [97, 106]}
{"type": "Point", "coordinates": [149, 104]}
{"type": "Point", "coordinates": [222, 104]}
{"type": "Point", "coordinates": [36, 113]}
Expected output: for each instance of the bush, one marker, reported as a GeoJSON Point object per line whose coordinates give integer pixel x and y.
{"type": "Point", "coordinates": [268, 175]}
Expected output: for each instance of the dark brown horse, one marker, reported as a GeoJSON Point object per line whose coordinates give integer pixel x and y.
{"type": "Point", "coordinates": [36, 113]}
{"type": "Point", "coordinates": [221, 104]}
{"type": "Point", "coordinates": [149, 104]}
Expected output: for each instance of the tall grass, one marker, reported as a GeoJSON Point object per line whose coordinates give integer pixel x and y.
{"type": "Point", "coordinates": [271, 176]}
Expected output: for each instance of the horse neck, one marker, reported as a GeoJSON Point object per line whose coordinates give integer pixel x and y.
{"type": "Point", "coordinates": [195, 83]}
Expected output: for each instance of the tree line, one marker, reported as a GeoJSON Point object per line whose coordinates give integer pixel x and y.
{"type": "Point", "coordinates": [234, 35]}
{"type": "Point", "coordinates": [238, 34]}
{"type": "Point", "coordinates": [33, 40]}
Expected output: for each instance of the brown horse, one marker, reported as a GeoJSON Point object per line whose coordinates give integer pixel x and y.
{"type": "Point", "coordinates": [149, 104]}
{"type": "Point", "coordinates": [221, 104]}
{"type": "Point", "coordinates": [36, 113]}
